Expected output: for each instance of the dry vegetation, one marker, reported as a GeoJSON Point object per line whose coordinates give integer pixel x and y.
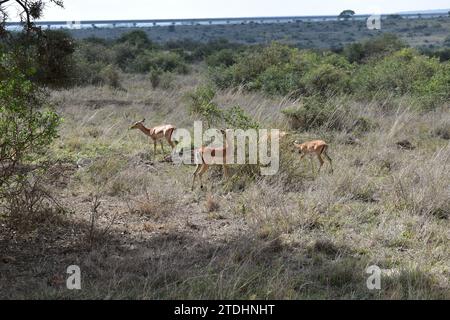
{"type": "Point", "coordinates": [137, 231]}
{"type": "Point", "coordinates": [320, 34]}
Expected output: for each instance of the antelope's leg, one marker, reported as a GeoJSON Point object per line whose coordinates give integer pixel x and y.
{"type": "Point", "coordinates": [321, 162]}
{"type": "Point", "coordinates": [225, 171]}
{"type": "Point", "coordinates": [170, 142]}
{"type": "Point", "coordinates": [195, 175]}
{"type": "Point", "coordinates": [162, 147]}
{"type": "Point", "coordinates": [329, 160]}
{"type": "Point", "coordinates": [154, 148]}
{"type": "Point", "coordinates": [311, 164]}
{"type": "Point", "coordinates": [203, 169]}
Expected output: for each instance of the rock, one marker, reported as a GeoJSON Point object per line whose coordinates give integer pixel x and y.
{"type": "Point", "coordinates": [83, 162]}
{"type": "Point", "coordinates": [405, 144]}
{"type": "Point", "coordinates": [352, 140]}
{"type": "Point", "coordinates": [8, 259]}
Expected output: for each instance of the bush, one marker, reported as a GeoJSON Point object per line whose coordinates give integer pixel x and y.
{"type": "Point", "coordinates": [225, 57]}
{"type": "Point", "coordinates": [377, 47]}
{"type": "Point", "coordinates": [27, 127]}
{"type": "Point", "coordinates": [55, 63]}
{"type": "Point", "coordinates": [280, 70]}
{"type": "Point", "coordinates": [329, 112]}
{"type": "Point", "coordinates": [201, 104]}
{"type": "Point", "coordinates": [404, 72]}
{"type": "Point", "coordinates": [436, 89]}
{"type": "Point", "coordinates": [110, 76]}
{"type": "Point", "coordinates": [155, 77]}
{"type": "Point", "coordinates": [311, 114]}
{"type": "Point", "coordinates": [124, 57]}
{"type": "Point", "coordinates": [162, 60]}
{"type": "Point", "coordinates": [326, 79]}
{"type": "Point", "coordinates": [137, 39]}
{"type": "Point", "coordinates": [49, 53]}
{"type": "Point", "coordinates": [237, 118]}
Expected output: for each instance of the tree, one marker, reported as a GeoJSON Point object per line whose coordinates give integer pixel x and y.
{"type": "Point", "coordinates": [346, 14]}
{"type": "Point", "coordinates": [29, 10]}
{"type": "Point", "coordinates": [137, 39]}
{"type": "Point", "coordinates": [27, 124]}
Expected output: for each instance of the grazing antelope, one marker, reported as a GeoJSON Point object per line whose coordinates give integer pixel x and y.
{"type": "Point", "coordinates": [215, 156]}
{"type": "Point", "coordinates": [317, 147]}
{"type": "Point", "coordinates": [157, 133]}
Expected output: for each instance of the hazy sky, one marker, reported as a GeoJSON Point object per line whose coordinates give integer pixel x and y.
{"type": "Point", "coordinates": [161, 9]}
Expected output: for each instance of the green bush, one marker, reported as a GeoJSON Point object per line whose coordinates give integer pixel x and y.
{"type": "Point", "coordinates": [376, 47]}
{"type": "Point", "coordinates": [436, 89]}
{"type": "Point", "coordinates": [49, 53]}
{"type": "Point", "coordinates": [27, 124]}
{"type": "Point", "coordinates": [201, 104]}
{"type": "Point", "coordinates": [236, 118]}
{"type": "Point", "coordinates": [325, 112]}
{"type": "Point", "coordinates": [137, 39]}
{"type": "Point", "coordinates": [109, 75]}
{"type": "Point", "coordinates": [404, 72]}
{"type": "Point", "coordinates": [312, 113]}
{"type": "Point", "coordinates": [163, 60]}
{"type": "Point", "coordinates": [225, 57]}
{"type": "Point", "coordinates": [280, 70]}
{"type": "Point", "coordinates": [326, 79]}
{"type": "Point", "coordinates": [124, 57]}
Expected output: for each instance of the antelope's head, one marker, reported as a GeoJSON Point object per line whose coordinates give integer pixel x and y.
{"type": "Point", "coordinates": [137, 125]}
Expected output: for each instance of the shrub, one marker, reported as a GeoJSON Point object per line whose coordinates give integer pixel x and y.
{"type": "Point", "coordinates": [376, 47]}
{"type": "Point", "coordinates": [280, 70]}
{"type": "Point", "coordinates": [237, 118]}
{"type": "Point", "coordinates": [27, 127]}
{"type": "Point", "coordinates": [55, 63]}
{"type": "Point", "coordinates": [201, 104]}
{"type": "Point", "coordinates": [277, 80]}
{"type": "Point", "coordinates": [155, 77]}
{"type": "Point", "coordinates": [404, 72]}
{"type": "Point", "coordinates": [49, 52]}
{"type": "Point", "coordinates": [435, 90]}
{"type": "Point", "coordinates": [137, 39]}
{"type": "Point", "coordinates": [124, 56]}
{"type": "Point", "coordinates": [110, 76]}
{"type": "Point", "coordinates": [321, 111]}
{"type": "Point", "coordinates": [225, 57]}
{"type": "Point", "coordinates": [326, 79]}
{"type": "Point", "coordinates": [312, 113]}
{"type": "Point", "coordinates": [163, 60]}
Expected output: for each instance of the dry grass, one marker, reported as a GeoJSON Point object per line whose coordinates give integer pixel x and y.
{"type": "Point", "coordinates": [293, 235]}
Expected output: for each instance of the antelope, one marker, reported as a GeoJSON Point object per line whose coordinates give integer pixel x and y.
{"type": "Point", "coordinates": [216, 156]}
{"type": "Point", "coordinates": [317, 147]}
{"type": "Point", "coordinates": [156, 133]}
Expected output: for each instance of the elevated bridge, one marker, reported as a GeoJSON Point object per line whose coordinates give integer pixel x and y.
{"type": "Point", "coordinates": [210, 21]}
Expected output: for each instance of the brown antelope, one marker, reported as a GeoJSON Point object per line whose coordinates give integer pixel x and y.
{"type": "Point", "coordinates": [317, 147]}
{"type": "Point", "coordinates": [215, 156]}
{"type": "Point", "coordinates": [157, 133]}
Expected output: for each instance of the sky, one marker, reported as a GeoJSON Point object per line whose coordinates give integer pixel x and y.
{"type": "Point", "coordinates": [76, 10]}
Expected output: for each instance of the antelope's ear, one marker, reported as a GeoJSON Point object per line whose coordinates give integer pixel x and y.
{"type": "Point", "coordinates": [143, 120]}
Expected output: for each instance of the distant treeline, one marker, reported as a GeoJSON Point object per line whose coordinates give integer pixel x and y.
{"type": "Point", "coordinates": [380, 65]}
